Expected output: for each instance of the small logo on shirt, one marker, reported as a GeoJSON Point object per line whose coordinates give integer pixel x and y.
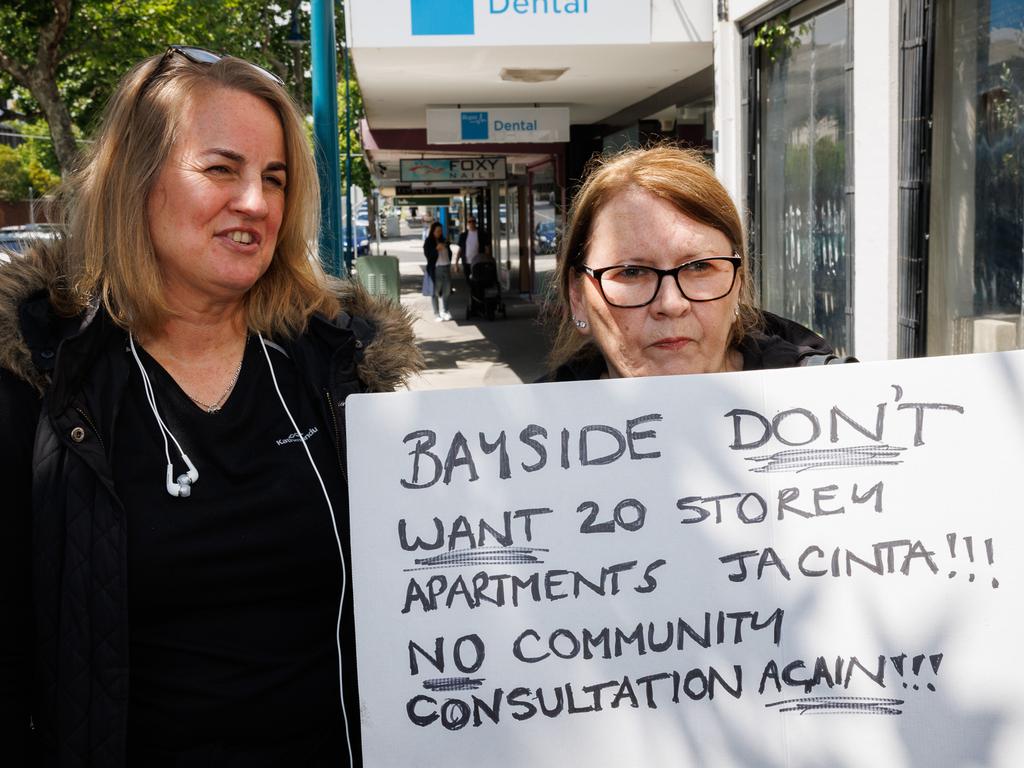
{"type": "Point", "coordinates": [294, 437]}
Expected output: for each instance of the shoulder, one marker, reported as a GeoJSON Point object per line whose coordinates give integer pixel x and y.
{"type": "Point", "coordinates": [388, 355]}
{"type": "Point", "coordinates": [27, 318]}
{"type": "Point", "coordinates": [787, 344]}
{"type": "Point", "coordinates": [587, 365]}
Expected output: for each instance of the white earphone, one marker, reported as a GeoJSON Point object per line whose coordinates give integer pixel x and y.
{"type": "Point", "coordinates": [182, 488]}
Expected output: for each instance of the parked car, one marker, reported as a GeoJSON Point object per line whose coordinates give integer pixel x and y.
{"type": "Point", "coordinates": [16, 239]}
{"type": "Point", "coordinates": [547, 237]}
{"type": "Point", "coordinates": [362, 237]}
{"type": "Point", "coordinates": [361, 214]}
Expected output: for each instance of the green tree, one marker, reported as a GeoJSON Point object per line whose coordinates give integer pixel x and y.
{"type": "Point", "coordinates": [37, 155]}
{"type": "Point", "coordinates": [63, 58]}
{"type": "Point", "coordinates": [30, 54]}
{"type": "Point", "coordinates": [360, 172]}
{"type": "Point", "coordinates": [13, 177]}
{"type": "Point", "coordinates": [37, 159]}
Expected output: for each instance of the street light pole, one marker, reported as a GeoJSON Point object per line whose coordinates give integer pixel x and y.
{"type": "Point", "coordinates": [325, 130]}
{"type": "Point", "coordinates": [297, 42]}
{"type": "Point", "coordinates": [349, 239]}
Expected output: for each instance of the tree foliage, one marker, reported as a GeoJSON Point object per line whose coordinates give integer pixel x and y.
{"type": "Point", "coordinates": [32, 163]}
{"type": "Point", "coordinates": [360, 172]}
{"type": "Point", "coordinates": [13, 177]}
{"type": "Point", "coordinates": [79, 49]}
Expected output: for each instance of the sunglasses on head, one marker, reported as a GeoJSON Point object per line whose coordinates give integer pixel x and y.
{"type": "Point", "coordinates": [198, 56]}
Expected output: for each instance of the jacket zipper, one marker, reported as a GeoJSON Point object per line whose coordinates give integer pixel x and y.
{"type": "Point", "coordinates": [337, 436]}
{"type": "Point", "coordinates": [92, 426]}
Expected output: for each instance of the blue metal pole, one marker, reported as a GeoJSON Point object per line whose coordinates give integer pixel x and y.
{"type": "Point", "coordinates": [325, 131]}
{"type": "Point", "coordinates": [348, 164]}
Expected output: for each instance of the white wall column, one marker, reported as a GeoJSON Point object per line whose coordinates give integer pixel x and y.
{"type": "Point", "coordinates": [876, 177]}
{"type": "Point", "coordinates": [730, 144]}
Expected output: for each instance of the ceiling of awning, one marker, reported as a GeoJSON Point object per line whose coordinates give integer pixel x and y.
{"type": "Point", "coordinates": [398, 84]}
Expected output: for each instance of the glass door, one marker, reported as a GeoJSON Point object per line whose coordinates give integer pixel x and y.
{"type": "Point", "coordinates": [802, 178]}
{"type": "Point", "coordinates": [976, 237]}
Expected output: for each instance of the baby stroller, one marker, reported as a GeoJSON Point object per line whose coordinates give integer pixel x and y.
{"type": "Point", "coordinates": [484, 291]}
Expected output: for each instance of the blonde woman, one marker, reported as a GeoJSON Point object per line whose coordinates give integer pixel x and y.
{"type": "Point", "coordinates": [172, 382]}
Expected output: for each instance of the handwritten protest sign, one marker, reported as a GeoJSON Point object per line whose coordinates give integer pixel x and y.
{"type": "Point", "coordinates": [782, 568]}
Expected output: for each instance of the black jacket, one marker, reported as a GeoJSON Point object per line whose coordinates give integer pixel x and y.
{"type": "Point", "coordinates": [64, 662]}
{"type": "Point", "coordinates": [430, 252]}
{"type": "Point", "coordinates": [484, 238]}
{"type": "Point", "coordinates": [782, 344]}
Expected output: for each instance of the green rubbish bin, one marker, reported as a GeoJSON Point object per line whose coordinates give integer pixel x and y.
{"type": "Point", "coordinates": [379, 275]}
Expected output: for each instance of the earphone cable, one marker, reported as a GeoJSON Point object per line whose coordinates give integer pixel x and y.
{"type": "Point", "coordinates": [151, 399]}
{"type": "Point", "coordinates": [337, 539]}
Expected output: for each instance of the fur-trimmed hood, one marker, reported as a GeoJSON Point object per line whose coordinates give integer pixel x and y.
{"type": "Point", "coordinates": [387, 363]}
{"type": "Point", "coordinates": [393, 356]}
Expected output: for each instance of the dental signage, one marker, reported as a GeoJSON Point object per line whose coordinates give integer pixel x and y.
{"type": "Point", "coordinates": [393, 23]}
{"type": "Point", "coordinates": [790, 568]}
{"type": "Point", "coordinates": [448, 169]}
{"type": "Point", "coordinates": [499, 125]}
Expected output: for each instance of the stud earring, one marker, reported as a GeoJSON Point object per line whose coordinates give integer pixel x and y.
{"type": "Point", "coordinates": [581, 324]}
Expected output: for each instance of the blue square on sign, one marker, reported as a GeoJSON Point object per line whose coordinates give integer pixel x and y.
{"type": "Point", "coordinates": [474, 126]}
{"type": "Point", "coordinates": [442, 17]}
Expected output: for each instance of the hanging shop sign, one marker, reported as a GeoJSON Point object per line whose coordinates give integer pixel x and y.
{"type": "Point", "coordinates": [407, 200]}
{"type": "Point", "coordinates": [444, 169]}
{"type": "Point", "coordinates": [396, 23]}
{"type": "Point", "coordinates": [498, 125]}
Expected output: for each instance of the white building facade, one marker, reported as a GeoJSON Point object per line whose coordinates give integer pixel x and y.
{"type": "Point", "coordinates": [877, 147]}
{"type": "Point", "coordinates": [544, 84]}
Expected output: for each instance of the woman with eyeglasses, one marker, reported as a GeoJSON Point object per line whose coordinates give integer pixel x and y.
{"type": "Point", "coordinates": [653, 279]}
{"type": "Point", "coordinates": [173, 375]}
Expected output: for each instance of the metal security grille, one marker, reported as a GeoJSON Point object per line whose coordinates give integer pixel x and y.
{"type": "Point", "coordinates": [917, 35]}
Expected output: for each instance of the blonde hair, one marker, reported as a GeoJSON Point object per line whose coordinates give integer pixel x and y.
{"type": "Point", "coordinates": [109, 252]}
{"type": "Point", "coordinates": [681, 177]}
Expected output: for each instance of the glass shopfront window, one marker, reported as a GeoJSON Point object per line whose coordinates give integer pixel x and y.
{"type": "Point", "coordinates": [546, 219]}
{"type": "Point", "coordinates": [976, 237]}
{"type": "Point", "coordinates": [800, 119]}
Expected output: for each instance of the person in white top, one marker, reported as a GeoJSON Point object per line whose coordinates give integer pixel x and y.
{"type": "Point", "coordinates": [474, 245]}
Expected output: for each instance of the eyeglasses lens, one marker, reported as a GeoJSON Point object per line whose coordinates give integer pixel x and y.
{"type": "Point", "coordinates": [197, 55]}
{"type": "Point", "coordinates": [203, 56]}
{"type": "Point", "coordinates": [702, 280]}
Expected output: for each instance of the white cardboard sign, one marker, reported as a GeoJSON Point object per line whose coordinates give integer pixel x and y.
{"type": "Point", "coordinates": [801, 567]}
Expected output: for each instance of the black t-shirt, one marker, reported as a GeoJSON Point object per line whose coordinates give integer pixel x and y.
{"type": "Point", "coordinates": [232, 592]}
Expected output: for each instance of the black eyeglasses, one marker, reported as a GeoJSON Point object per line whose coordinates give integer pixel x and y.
{"type": "Point", "coordinates": [628, 286]}
{"type": "Point", "coordinates": [197, 56]}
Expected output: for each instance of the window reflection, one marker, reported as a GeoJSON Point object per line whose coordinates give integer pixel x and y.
{"type": "Point", "coordinates": [803, 206]}
{"type": "Point", "coordinates": [976, 253]}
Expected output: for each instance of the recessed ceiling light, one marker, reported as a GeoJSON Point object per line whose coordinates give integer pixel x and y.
{"type": "Point", "coordinates": [515, 75]}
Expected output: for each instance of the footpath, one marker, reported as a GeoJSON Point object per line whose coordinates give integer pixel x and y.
{"type": "Point", "coordinates": [478, 352]}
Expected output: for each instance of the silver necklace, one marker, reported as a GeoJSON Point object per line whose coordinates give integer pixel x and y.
{"type": "Point", "coordinates": [217, 404]}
